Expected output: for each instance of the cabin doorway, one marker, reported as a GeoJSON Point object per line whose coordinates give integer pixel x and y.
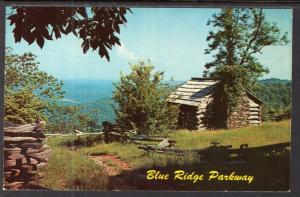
{"type": "Point", "coordinates": [187, 117]}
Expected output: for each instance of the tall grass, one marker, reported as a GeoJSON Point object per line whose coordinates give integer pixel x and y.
{"type": "Point", "coordinates": [267, 133]}
{"type": "Point", "coordinates": [72, 169]}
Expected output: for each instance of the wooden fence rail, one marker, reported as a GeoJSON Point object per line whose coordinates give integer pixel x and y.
{"type": "Point", "coordinates": [217, 153]}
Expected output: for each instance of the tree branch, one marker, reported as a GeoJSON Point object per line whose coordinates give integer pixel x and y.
{"type": "Point", "coordinates": [253, 39]}
{"type": "Point", "coordinates": [253, 52]}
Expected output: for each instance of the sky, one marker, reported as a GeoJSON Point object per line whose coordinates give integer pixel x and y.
{"type": "Point", "coordinates": [173, 39]}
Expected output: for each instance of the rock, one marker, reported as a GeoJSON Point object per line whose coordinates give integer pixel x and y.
{"type": "Point", "coordinates": [32, 150]}
{"type": "Point", "coordinates": [9, 163]}
{"type": "Point", "coordinates": [14, 185]}
{"type": "Point", "coordinates": [15, 172]}
{"type": "Point", "coordinates": [42, 156]}
{"type": "Point", "coordinates": [21, 161]}
{"type": "Point", "coordinates": [26, 168]}
{"type": "Point", "coordinates": [15, 156]}
{"type": "Point", "coordinates": [12, 149]}
{"type": "Point", "coordinates": [19, 139]}
{"type": "Point", "coordinates": [40, 126]}
{"type": "Point", "coordinates": [33, 145]}
{"type": "Point", "coordinates": [33, 161]}
{"type": "Point", "coordinates": [21, 129]}
{"type": "Point", "coordinates": [7, 174]}
{"type": "Point", "coordinates": [24, 154]}
{"type": "Point", "coordinates": [30, 176]}
{"type": "Point", "coordinates": [41, 165]}
{"type": "Point", "coordinates": [20, 134]}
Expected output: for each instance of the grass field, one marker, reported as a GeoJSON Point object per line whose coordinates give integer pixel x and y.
{"type": "Point", "coordinates": [267, 133]}
{"type": "Point", "coordinates": [72, 169]}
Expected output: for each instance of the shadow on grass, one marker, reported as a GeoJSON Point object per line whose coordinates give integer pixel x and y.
{"type": "Point", "coordinates": [271, 172]}
{"type": "Point", "coordinates": [83, 141]}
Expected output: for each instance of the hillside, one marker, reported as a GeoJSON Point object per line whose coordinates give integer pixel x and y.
{"type": "Point", "coordinates": [70, 172]}
{"type": "Point", "coordinates": [275, 93]}
{"type": "Point", "coordinates": [87, 91]}
{"type": "Point", "coordinates": [105, 106]}
{"type": "Point", "coordinates": [274, 80]}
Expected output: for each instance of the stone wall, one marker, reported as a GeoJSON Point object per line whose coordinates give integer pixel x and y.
{"type": "Point", "coordinates": [211, 114]}
{"type": "Point", "coordinates": [240, 116]}
{"type": "Point", "coordinates": [24, 155]}
{"type": "Point", "coordinates": [205, 113]}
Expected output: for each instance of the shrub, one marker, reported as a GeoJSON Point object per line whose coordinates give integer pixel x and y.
{"type": "Point", "coordinates": [141, 99]}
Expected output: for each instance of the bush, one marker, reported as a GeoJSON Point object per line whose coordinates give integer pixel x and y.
{"type": "Point", "coordinates": [28, 90]}
{"type": "Point", "coordinates": [66, 119]}
{"type": "Point", "coordinates": [85, 141]}
{"type": "Point", "coordinates": [141, 100]}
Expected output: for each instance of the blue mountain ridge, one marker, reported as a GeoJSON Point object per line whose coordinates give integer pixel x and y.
{"type": "Point", "coordinates": [97, 94]}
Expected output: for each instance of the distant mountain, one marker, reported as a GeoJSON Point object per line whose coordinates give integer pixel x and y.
{"type": "Point", "coordinates": [105, 107]}
{"type": "Point", "coordinates": [87, 91]}
{"type": "Point", "coordinates": [93, 94]}
{"type": "Point", "coordinates": [274, 80]}
{"type": "Point", "coordinates": [98, 94]}
{"type": "Point", "coordinates": [276, 95]}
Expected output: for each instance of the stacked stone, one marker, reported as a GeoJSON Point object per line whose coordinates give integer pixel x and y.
{"type": "Point", "coordinates": [24, 155]}
{"type": "Point", "coordinates": [204, 113]}
{"type": "Point", "coordinates": [240, 116]}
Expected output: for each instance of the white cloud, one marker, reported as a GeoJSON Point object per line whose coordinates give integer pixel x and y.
{"type": "Point", "coordinates": [125, 53]}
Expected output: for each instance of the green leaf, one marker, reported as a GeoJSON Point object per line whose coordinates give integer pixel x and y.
{"type": "Point", "coordinates": [40, 41]}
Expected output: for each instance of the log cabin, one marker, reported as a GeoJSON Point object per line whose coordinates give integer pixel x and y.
{"type": "Point", "coordinates": [200, 107]}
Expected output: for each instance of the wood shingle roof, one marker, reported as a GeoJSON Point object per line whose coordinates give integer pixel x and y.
{"type": "Point", "coordinates": [192, 91]}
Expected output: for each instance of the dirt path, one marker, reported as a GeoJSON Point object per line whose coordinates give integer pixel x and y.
{"type": "Point", "coordinates": [111, 164]}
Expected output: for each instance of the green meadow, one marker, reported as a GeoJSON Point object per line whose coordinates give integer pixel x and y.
{"type": "Point", "coordinates": [70, 169]}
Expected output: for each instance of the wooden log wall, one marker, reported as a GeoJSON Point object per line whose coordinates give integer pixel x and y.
{"type": "Point", "coordinates": [24, 155]}
{"type": "Point", "coordinates": [204, 115]}
{"type": "Point", "coordinates": [255, 113]}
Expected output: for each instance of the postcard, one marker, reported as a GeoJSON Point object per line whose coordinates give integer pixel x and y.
{"type": "Point", "coordinates": [147, 98]}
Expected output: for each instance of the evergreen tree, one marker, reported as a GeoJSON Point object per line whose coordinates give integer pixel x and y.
{"type": "Point", "coordinates": [141, 99]}
{"type": "Point", "coordinates": [236, 36]}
